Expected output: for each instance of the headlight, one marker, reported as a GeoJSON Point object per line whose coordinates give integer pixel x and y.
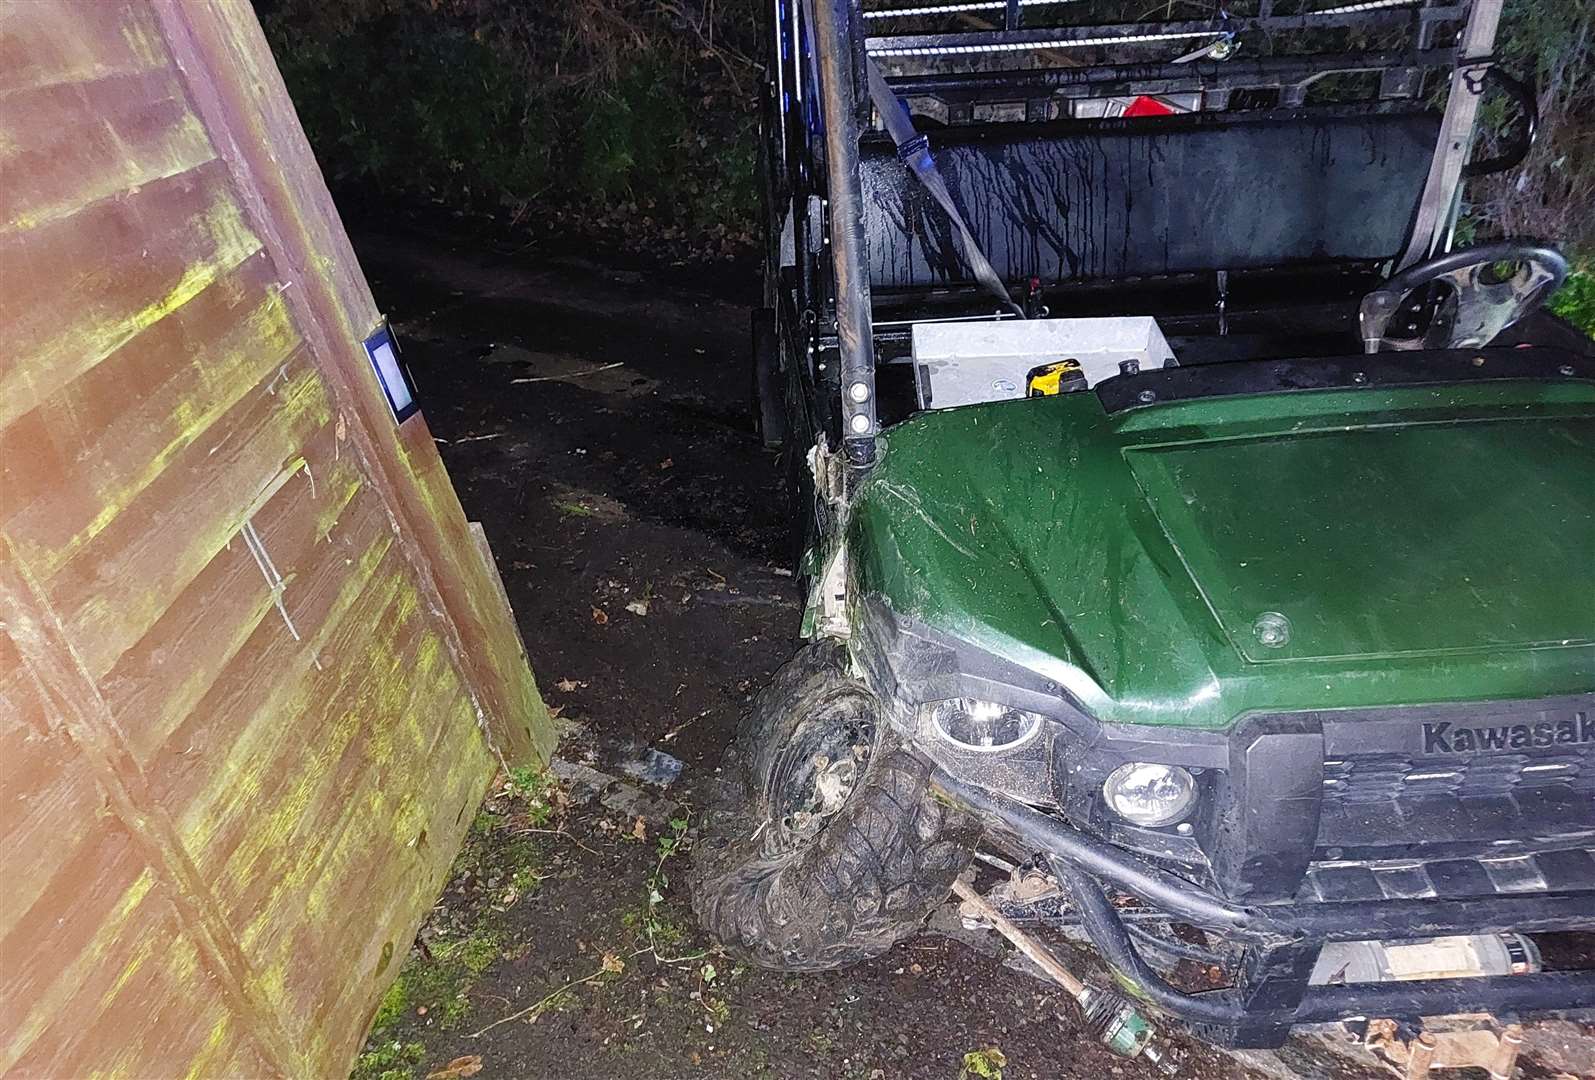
{"type": "Point", "coordinates": [1148, 794]}
{"type": "Point", "coordinates": [981, 725]}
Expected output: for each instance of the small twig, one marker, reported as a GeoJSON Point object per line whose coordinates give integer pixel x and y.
{"type": "Point", "coordinates": [676, 959]}
{"type": "Point", "coordinates": [573, 375]}
{"type": "Point", "coordinates": [679, 728]}
{"type": "Point", "coordinates": [538, 1004]}
{"type": "Point", "coordinates": [703, 993]}
{"type": "Point", "coordinates": [560, 832]}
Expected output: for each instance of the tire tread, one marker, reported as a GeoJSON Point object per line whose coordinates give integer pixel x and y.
{"type": "Point", "coordinates": [864, 883]}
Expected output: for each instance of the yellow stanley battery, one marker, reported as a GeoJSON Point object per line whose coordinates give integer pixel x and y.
{"type": "Point", "coordinates": [1059, 377]}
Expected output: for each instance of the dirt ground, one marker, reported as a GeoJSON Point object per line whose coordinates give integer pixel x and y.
{"type": "Point", "coordinates": [594, 420]}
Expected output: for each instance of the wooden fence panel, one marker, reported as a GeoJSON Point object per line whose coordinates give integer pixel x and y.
{"type": "Point", "coordinates": [254, 669]}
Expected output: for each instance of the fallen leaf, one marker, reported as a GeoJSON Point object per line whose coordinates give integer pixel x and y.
{"type": "Point", "coordinates": [639, 829]}
{"type": "Point", "coordinates": [566, 686]}
{"type": "Point", "coordinates": [460, 1066]}
{"type": "Point", "coordinates": [600, 616]}
{"type": "Point", "coordinates": [987, 1064]}
{"type": "Point", "coordinates": [613, 964]}
{"type": "Point", "coordinates": [638, 607]}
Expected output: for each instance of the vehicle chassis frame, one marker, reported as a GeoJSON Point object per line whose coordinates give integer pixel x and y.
{"type": "Point", "coordinates": [1273, 992]}
{"type": "Point", "coordinates": [821, 302]}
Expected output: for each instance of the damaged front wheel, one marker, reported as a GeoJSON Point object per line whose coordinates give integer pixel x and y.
{"type": "Point", "coordinates": [827, 848]}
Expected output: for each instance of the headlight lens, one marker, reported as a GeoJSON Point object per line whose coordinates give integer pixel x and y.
{"type": "Point", "coordinates": [1147, 794]}
{"type": "Point", "coordinates": [986, 726]}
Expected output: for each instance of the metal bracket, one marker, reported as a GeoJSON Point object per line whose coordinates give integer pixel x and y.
{"type": "Point", "coordinates": [1476, 73]}
{"type": "Point", "coordinates": [1442, 188]}
{"type": "Point", "coordinates": [826, 614]}
{"type": "Point", "coordinates": [832, 619]}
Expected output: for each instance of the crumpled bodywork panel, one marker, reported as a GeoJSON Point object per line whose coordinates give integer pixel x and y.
{"type": "Point", "coordinates": [1423, 545]}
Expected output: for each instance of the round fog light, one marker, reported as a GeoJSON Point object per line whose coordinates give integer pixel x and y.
{"type": "Point", "coordinates": [1148, 794]}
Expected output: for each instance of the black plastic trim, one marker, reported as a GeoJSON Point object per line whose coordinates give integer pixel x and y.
{"type": "Point", "coordinates": [1517, 995]}
{"type": "Point", "coordinates": [1273, 993]}
{"type": "Point", "coordinates": [1542, 912]}
{"type": "Point", "coordinates": [1239, 841]}
{"type": "Point", "coordinates": [1383, 370]}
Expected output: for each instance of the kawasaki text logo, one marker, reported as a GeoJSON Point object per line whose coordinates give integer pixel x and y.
{"type": "Point", "coordinates": [1446, 739]}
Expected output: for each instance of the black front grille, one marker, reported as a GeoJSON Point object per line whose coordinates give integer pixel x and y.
{"type": "Point", "coordinates": [1401, 787]}
{"type": "Point", "coordinates": [1375, 803]}
{"type": "Point", "coordinates": [1382, 778]}
{"type": "Point", "coordinates": [1564, 870]}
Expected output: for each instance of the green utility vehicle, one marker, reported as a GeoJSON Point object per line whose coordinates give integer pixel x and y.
{"type": "Point", "coordinates": [1193, 536]}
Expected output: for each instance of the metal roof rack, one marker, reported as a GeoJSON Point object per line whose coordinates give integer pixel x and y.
{"type": "Point", "coordinates": [1033, 51]}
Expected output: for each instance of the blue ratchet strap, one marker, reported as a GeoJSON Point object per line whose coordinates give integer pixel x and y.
{"type": "Point", "coordinates": [913, 150]}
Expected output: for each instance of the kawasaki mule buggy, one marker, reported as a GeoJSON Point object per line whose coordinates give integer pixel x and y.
{"type": "Point", "coordinates": [1190, 531]}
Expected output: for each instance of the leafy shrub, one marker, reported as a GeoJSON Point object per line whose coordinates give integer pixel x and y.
{"type": "Point", "coordinates": [1575, 301]}
{"type": "Point", "coordinates": [618, 117]}
{"type": "Point", "coordinates": [633, 120]}
{"type": "Point", "coordinates": [1551, 43]}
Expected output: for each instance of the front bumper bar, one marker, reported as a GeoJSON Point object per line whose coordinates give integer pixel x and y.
{"type": "Point", "coordinates": [1283, 940]}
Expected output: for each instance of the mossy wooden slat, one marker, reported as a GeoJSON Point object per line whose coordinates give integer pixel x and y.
{"type": "Point", "coordinates": [298, 770]}
{"type": "Point", "coordinates": [281, 184]}
{"type": "Point", "coordinates": [147, 982]}
{"type": "Point", "coordinates": [79, 290]}
{"type": "Point", "coordinates": [145, 133]}
{"type": "Point", "coordinates": [309, 534]}
{"type": "Point", "coordinates": [255, 670]}
{"type": "Point", "coordinates": [153, 1003]}
{"type": "Point", "coordinates": [64, 43]}
{"type": "Point", "coordinates": [101, 445]}
{"type": "Point", "coordinates": [118, 586]}
{"type": "Point", "coordinates": [359, 864]}
{"type": "Point", "coordinates": [44, 783]}
{"type": "Point", "coordinates": [221, 793]}
{"type": "Point", "coordinates": [55, 961]}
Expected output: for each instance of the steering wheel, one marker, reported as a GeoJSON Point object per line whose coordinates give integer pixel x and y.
{"type": "Point", "coordinates": [1486, 289]}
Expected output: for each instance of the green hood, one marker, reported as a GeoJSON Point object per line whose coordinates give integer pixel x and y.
{"type": "Point", "coordinates": [1413, 546]}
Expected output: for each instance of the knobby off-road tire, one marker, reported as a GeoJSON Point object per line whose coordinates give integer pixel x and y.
{"type": "Point", "coordinates": [842, 885]}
